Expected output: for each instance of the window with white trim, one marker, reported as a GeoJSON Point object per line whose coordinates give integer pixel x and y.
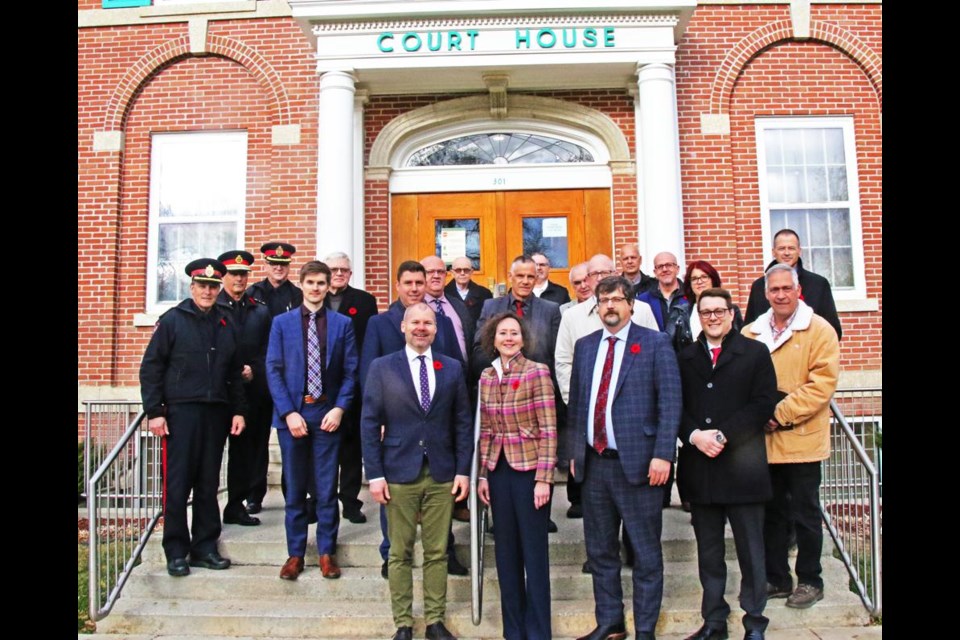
{"type": "Point", "coordinates": [198, 186]}
{"type": "Point", "coordinates": [808, 183]}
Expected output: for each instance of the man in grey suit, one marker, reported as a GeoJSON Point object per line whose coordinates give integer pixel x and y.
{"type": "Point", "coordinates": [624, 414]}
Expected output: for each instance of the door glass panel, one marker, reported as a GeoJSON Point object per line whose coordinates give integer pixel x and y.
{"type": "Point", "coordinates": [548, 236]}
{"type": "Point", "coordinates": [455, 238]}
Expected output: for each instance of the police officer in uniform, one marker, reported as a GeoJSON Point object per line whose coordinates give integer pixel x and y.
{"type": "Point", "coordinates": [191, 385]}
{"type": "Point", "coordinates": [276, 289]}
{"type": "Point", "coordinates": [249, 449]}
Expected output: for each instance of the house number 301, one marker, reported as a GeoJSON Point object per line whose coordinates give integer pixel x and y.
{"type": "Point", "coordinates": [499, 181]}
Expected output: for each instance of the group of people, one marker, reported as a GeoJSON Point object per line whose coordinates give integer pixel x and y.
{"type": "Point", "coordinates": [602, 385]}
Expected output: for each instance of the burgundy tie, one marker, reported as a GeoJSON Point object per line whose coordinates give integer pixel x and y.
{"type": "Point", "coordinates": [714, 354]}
{"type": "Point", "coordinates": [600, 409]}
{"type": "Point", "coordinates": [519, 304]}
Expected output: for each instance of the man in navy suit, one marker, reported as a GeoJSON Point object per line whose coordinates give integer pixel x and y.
{"type": "Point", "coordinates": [417, 438]}
{"type": "Point", "coordinates": [312, 374]}
{"type": "Point", "coordinates": [384, 336]}
{"type": "Point", "coordinates": [624, 414]}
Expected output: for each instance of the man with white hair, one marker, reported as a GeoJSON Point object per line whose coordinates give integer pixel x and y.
{"type": "Point", "coordinates": [581, 286]}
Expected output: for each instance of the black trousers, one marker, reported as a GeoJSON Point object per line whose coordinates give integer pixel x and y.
{"type": "Point", "coordinates": [746, 521]}
{"type": "Point", "coordinates": [192, 454]}
{"type": "Point", "coordinates": [351, 462]}
{"type": "Point", "coordinates": [243, 463]}
{"type": "Point", "coordinates": [263, 414]}
{"type": "Point", "coordinates": [796, 500]}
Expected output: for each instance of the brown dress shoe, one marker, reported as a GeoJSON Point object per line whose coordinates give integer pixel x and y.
{"type": "Point", "coordinates": [328, 566]}
{"type": "Point", "coordinates": [461, 514]}
{"type": "Point", "coordinates": [292, 568]}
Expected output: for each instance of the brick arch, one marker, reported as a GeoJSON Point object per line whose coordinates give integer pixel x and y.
{"type": "Point", "coordinates": [179, 48]}
{"type": "Point", "coordinates": [781, 31]}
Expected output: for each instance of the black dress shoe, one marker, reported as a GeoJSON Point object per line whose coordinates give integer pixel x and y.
{"type": "Point", "coordinates": [212, 560]}
{"type": "Point", "coordinates": [709, 633]}
{"type": "Point", "coordinates": [403, 633]}
{"type": "Point", "coordinates": [178, 567]}
{"type": "Point", "coordinates": [254, 508]}
{"type": "Point", "coordinates": [384, 573]}
{"type": "Point", "coordinates": [586, 567]}
{"type": "Point", "coordinates": [454, 568]}
{"type": "Point", "coordinates": [354, 516]}
{"type": "Point", "coordinates": [551, 526]}
{"type": "Point", "coordinates": [575, 511]}
{"type": "Point", "coordinates": [242, 518]}
{"type": "Point", "coordinates": [753, 634]}
{"type": "Point", "coordinates": [437, 631]}
{"type": "Point", "coordinates": [616, 631]}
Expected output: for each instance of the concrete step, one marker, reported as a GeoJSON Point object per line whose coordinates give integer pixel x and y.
{"type": "Point", "coordinates": [305, 617]}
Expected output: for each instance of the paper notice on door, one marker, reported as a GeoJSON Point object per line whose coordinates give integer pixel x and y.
{"type": "Point", "coordinates": [453, 244]}
{"type": "Point", "coordinates": [554, 228]}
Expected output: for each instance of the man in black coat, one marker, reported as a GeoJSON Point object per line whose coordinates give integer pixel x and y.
{"type": "Point", "coordinates": [359, 306]}
{"type": "Point", "coordinates": [248, 460]}
{"type": "Point", "coordinates": [545, 289]}
{"type": "Point", "coordinates": [729, 392]}
{"type": "Point", "coordinates": [471, 293]}
{"type": "Point", "coordinates": [814, 288]}
{"type": "Point", "coordinates": [276, 289]}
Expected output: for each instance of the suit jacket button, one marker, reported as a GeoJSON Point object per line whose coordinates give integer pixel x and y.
{"type": "Point", "coordinates": [421, 443]}
{"type": "Point", "coordinates": [708, 420]}
{"type": "Point", "coordinates": [709, 385]}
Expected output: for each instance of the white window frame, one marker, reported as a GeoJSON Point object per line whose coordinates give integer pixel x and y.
{"type": "Point", "coordinates": [846, 124]}
{"type": "Point", "coordinates": [158, 142]}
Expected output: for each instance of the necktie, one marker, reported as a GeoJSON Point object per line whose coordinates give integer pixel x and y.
{"type": "Point", "coordinates": [314, 380]}
{"type": "Point", "coordinates": [437, 301]}
{"type": "Point", "coordinates": [714, 354]}
{"type": "Point", "coordinates": [424, 384]}
{"type": "Point", "coordinates": [519, 304]}
{"type": "Point", "coordinates": [600, 409]}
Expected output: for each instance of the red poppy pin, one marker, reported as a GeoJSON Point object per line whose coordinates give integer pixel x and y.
{"type": "Point", "coordinates": [635, 348]}
{"type": "Point", "coordinates": [223, 322]}
{"type": "Point", "coordinates": [352, 311]}
{"type": "Point", "coordinates": [437, 365]}
{"type": "Point", "coordinates": [516, 384]}
{"type": "Point", "coordinates": [252, 300]}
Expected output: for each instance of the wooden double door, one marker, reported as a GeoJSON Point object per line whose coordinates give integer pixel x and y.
{"type": "Point", "coordinates": [493, 227]}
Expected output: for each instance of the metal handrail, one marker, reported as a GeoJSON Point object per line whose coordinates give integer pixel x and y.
{"type": "Point", "coordinates": [106, 421]}
{"type": "Point", "coordinates": [845, 485]}
{"type": "Point", "coordinates": [143, 500]}
{"type": "Point", "coordinates": [478, 526]}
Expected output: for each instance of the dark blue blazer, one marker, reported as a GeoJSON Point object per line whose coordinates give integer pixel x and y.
{"type": "Point", "coordinates": [646, 401]}
{"type": "Point", "coordinates": [286, 364]}
{"type": "Point", "coordinates": [444, 433]}
{"type": "Point", "coordinates": [384, 336]}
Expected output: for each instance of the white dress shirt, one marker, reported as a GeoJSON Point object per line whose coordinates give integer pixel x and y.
{"type": "Point", "coordinates": [413, 359]}
{"type": "Point", "coordinates": [619, 347]}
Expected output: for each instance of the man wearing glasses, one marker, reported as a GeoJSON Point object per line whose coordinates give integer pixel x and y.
{"type": "Point", "coordinates": [729, 391]}
{"type": "Point", "coordinates": [545, 289]}
{"type": "Point", "coordinates": [579, 321]}
{"type": "Point", "coordinates": [359, 306]}
{"type": "Point", "coordinates": [469, 291]}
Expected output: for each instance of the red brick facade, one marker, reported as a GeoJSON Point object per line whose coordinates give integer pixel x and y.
{"type": "Point", "coordinates": [734, 60]}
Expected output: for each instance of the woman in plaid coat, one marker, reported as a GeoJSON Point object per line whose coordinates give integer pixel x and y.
{"type": "Point", "coordinates": [518, 453]}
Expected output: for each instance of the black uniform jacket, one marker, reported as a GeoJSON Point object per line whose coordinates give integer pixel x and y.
{"type": "Point", "coordinates": [192, 357]}
{"type": "Point", "coordinates": [737, 397]}
{"type": "Point", "coordinates": [254, 320]}
{"type": "Point", "coordinates": [279, 299]}
{"type": "Point", "coordinates": [814, 290]}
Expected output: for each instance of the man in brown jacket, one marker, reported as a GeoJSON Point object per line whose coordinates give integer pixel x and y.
{"type": "Point", "coordinates": [806, 356]}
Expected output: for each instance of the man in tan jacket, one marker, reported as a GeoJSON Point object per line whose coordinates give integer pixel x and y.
{"type": "Point", "coordinates": [806, 356]}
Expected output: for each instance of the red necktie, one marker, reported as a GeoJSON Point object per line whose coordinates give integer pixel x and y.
{"type": "Point", "coordinates": [519, 304]}
{"type": "Point", "coordinates": [600, 409]}
{"type": "Point", "coordinates": [714, 354]}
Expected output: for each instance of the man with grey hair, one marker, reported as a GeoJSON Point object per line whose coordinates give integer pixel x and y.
{"type": "Point", "coordinates": [579, 321]}
{"type": "Point", "coordinates": [630, 261]}
{"type": "Point", "coordinates": [359, 306]}
{"type": "Point", "coordinates": [806, 356]}
{"type": "Point", "coordinates": [545, 288]}
{"type": "Point", "coordinates": [472, 294]}
{"type": "Point", "coordinates": [581, 286]}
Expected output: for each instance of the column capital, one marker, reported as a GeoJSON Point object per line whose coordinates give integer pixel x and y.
{"type": "Point", "coordinates": [339, 79]}
{"type": "Point", "coordinates": [654, 71]}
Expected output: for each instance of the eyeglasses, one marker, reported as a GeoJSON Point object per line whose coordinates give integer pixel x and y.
{"type": "Point", "coordinates": [665, 265]}
{"type": "Point", "coordinates": [611, 300]}
{"type": "Point", "coordinates": [577, 283]}
{"type": "Point", "coordinates": [542, 264]}
{"type": "Point", "coordinates": [462, 270]}
{"type": "Point", "coordinates": [712, 313]}
{"type": "Point", "coordinates": [436, 272]}
{"type": "Point", "coordinates": [600, 274]}
{"type": "Point", "coordinates": [699, 279]}
{"type": "Point", "coordinates": [339, 270]}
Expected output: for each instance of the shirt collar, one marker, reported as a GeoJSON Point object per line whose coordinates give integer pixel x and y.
{"type": "Point", "coordinates": [413, 355]}
{"type": "Point", "coordinates": [620, 335]}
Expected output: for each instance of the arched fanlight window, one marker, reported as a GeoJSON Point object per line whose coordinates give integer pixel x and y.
{"type": "Point", "coordinates": [499, 148]}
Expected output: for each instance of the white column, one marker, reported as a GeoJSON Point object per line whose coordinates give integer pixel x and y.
{"type": "Point", "coordinates": [658, 164]}
{"type": "Point", "coordinates": [358, 251]}
{"type": "Point", "coordinates": [336, 172]}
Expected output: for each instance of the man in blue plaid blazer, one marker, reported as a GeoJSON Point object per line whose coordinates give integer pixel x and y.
{"type": "Point", "coordinates": [624, 415]}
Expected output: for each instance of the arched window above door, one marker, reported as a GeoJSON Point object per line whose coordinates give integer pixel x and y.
{"type": "Point", "coordinates": [499, 148]}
